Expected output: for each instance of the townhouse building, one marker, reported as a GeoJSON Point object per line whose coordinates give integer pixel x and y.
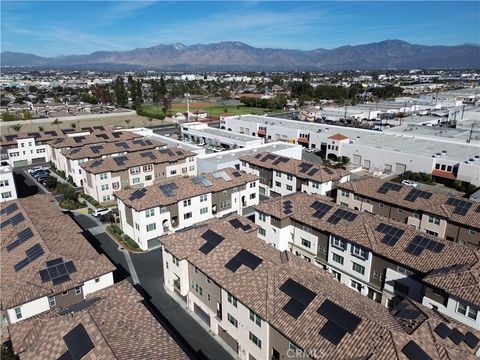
{"type": "Point", "coordinates": [102, 177]}
{"type": "Point", "coordinates": [46, 262]}
{"type": "Point", "coordinates": [8, 190]}
{"type": "Point", "coordinates": [449, 217]}
{"type": "Point", "coordinates": [281, 175]}
{"type": "Point", "coordinates": [380, 258]}
{"type": "Point", "coordinates": [447, 158]}
{"type": "Point", "coordinates": [169, 206]}
{"type": "Point", "coordinates": [110, 324]}
{"type": "Point", "coordinates": [75, 156]}
{"type": "Point", "coordinates": [267, 304]}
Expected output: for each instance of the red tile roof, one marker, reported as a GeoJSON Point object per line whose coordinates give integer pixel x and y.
{"type": "Point", "coordinates": [338, 137]}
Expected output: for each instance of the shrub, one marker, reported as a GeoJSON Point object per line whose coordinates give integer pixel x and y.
{"type": "Point", "coordinates": [91, 200]}
{"type": "Point", "coordinates": [67, 191]}
{"type": "Point", "coordinates": [457, 184]}
{"type": "Point", "coordinates": [51, 182]}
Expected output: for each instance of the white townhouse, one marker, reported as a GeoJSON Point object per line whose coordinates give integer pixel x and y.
{"type": "Point", "coordinates": [8, 190]}
{"type": "Point", "coordinates": [169, 206]}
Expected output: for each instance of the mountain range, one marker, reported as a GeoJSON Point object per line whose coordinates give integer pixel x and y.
{"type": "Point", "coordinates": [233, 55]}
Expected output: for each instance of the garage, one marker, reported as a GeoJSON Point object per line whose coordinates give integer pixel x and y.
{"type": "Point", "coordinates": [40, 160]}
{"type": "Point", "coordinates": [203, 315]}
{"type": "Point", "coordinates": [400, 168]}
{"type": "Point", "coordinates": [20, 163]}
{"type": "Point", "coordinates": [357, 160]}
{"type": "Point", "coordinates": [153, 243]}
{"type": "Point", "coordinates": [228, 339]}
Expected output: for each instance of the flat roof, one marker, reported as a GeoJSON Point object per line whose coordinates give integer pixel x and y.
{"type": "Point", "coordinates": [226, 134]}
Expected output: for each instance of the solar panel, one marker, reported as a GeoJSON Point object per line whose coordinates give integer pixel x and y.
{"type": "Point", "coordinates": [304, 167]}
{"type": "Point", "coordinates": [461, 206]}
{"type": "Point", "coordinates": [243, 257]}
{"type": "Point", "coordinates": [10, 137]}
{"type": "Point", "coordinates": [201, 180]}
{"type": "Point", "coordinates": [79, 139]}
{"type": "Point", "coordinates": [409, 314]}
{"type": "Point", "coordinates": [148, 154]}
{"type": "Point", "coordinates": [78, 342]}
{"type": "Point", "coordinates": [96, 163]}
{"type": "Point", "coordinates": [320, 209]}
{"type": "Point", "coordinates": [32, 253]}
{"type": "Point", "coordinates": [22, 236]}
{"type": "Point", "coordinates": [116, 134]}
{"type": "Point", "coordinates": [343, 318]}
{"type": "Point", "coordinates": [300, 296]}
{"type": "Point", "coordinates": [34, 134]}
{"type": "Point", "coordinates": [312, 172]}
{"type": "Point", "coordinates": [57, 271]}
{"type": "Point", "coordinates": [237, 224]}
{"type": "Point", "coordinates": [471, 340]}
{"type": "Point", "coordinates": [332, 332]}
{"type": "Point", "coordinates": [103, 136]}
{"type": "Point", "coordinates": [414, 352]}
{"type": "Point", "coordinates": [122, 144]}
{"type": "Point", "coordinates": [442, 330]}
{"type": "Point", "coordinates": [167, 151]}
{"type": "Point", "coordinates": [280, 159]}
{"type": "Point", "coordinates": [78, 306]}
{"type": "Point", "coordinates": [419, 243]}
{"type": "Point", "coordinates": [221, 174]}
{"type": "Point", "coordinates": [328, 170]}
{"type": "Point", "coordinates": [340, 214]}
{"type": "Point", "coordinates": [96, 148]}
{"type": "Point", "coordinates": [74, 151]}
{"type": "Point", "coordinates": [236, 174]}
{"type": "Point", "coordinates": [392, 233]}
{"type": "Point", "coordinates": [212, 240]}
{"type": "Point", "coordinates": [414, 194]}
{"type": "Point", "coordinates": [386, 187]}
{"type": "Point", "coordinates": [99, 127]}
{"type": "Point", "coordinates": [14, 220]}
{"type": "Point", "coordinates": [268, 157]}
{"type": "Point", "coordinates": [168, 189]}
{"type": "Point", "coordinates": [120, 160]}
{"type": "Point", "coordinates": [456, 336]}
{"type": "Point", "coordinates": [137, 194]}
{"type": "Point", "coordinates": [9, 209]}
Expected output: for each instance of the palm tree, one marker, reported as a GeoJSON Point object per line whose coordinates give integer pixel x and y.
{"type": "Point", "coordinates": [73, 125]}
{"type": "Point", "coordinates": [40, 128]}
{"type": "Point", "coordinates": [57, 123]}
{"type": "Point", "coordinates": [128, 122]}
{"type": "Point", "coordinates": [16, 127]}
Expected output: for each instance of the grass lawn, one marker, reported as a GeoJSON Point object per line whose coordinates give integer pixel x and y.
{"type": "Point", "coordinates": [214, 110]}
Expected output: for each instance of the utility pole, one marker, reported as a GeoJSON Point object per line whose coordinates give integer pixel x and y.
{"type": "Point", "coordinates": [463, 110]}
{"type": "Point", "coordinates": [470, 136]}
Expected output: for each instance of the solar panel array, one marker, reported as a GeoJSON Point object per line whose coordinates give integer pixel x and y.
{"type": "Point", "coordinates": [456, 335]}
{"type": "Point", "coordinates": [32, 253]}
{"type": "Point", "coordinates": [287, 207]}
{"type": "Point", "coordinates": [14, 220]}
{"type": "Point", "coordinates": [103, 136]}
{"type": "Point", "coordinates": [212, 240]}
{"type": "Point", "coordinates": [74, 151]}
{"type": "Point", "coordinates": [414, 352]}
{"type": "Point", "coordinates": [300, 297]}
{"type": "Point", "coordinates": [236, 174]}
{"type": "Point", "coordinates": [268, 157]}
{"type": "Point", "coordinates": [221, 174]}
{"type": "Point", "coordinates": [116, 134]}
{"type": "Point", "coordinates": [57, 271]}
{"type": "Point", "coordinates": [320, 209]}
{"type": "Point", "coordinates": [340, 322]}
{"type": "Point", "coordinates": [99, 127]}
{"type": "Point", "coordinates": [96, 148]}
{"type": "Point", "coordinates": [238, 224]}
{"type": "Point", "coordinates": [461, 206]}
{"type": "Point", "coordinates": [51, 133]}
{"type": "Point", "coordinates": [137, 194]}
{"type": "Point", "coordinates": [148, 154]}
{"type": "Point", "coordinates": [33, 134]}
{"type": "Point", "coordinates": [312, 172]}
{"type": "Point", "coordinates": [258, 156]}
{"type": "Point", "coordinates": [414, 194]}
{"type": "Point", "coordinates": [122, 144]}
{"type": "Point", "coordinates": [168, 189]}
{"type": "Point", "coordinates": [386, 187]}
{"type": "Point", "coordinates": [120, 160]}
{"type": "Point", "coordinates": [79, 139]}
{"type": "Point", "coordinates": [420, 243]}
{"type": "Point", "coordinates": [340, 214]}
{"type": "Point", "coordinates": [78, 344]}
{"type": "Point", "coordinates": [201, 180]}
{"type": "Point", "coordinates": [392, 233]}
{"type": "Point", "coordinates": [243, 257]}
{"type": "Point", "coordinates": [328, 170]}
{"type": "Point", "coordinates": [304, 167]}
{"type": "Point", "coordinates": [96, 163]}
{"type": "Point", "coordinates": [280, 159]}
{"type": "Point", "coordinates": [169, 152]}
{"type": "Point", "coordinates": [9, 209]}
{"type": "Point", "coordinates": [22, 236]}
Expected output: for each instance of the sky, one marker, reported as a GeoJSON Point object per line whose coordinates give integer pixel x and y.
{"type": "Point", "coordinates": [69, 27]}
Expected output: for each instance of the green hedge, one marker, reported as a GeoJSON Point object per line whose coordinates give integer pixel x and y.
{"type": "Point", "coordinates": [91, 200]}
{"type": "Point", "coordinates": [125, 239]}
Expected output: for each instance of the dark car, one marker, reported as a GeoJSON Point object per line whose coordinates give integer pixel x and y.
{"type": "Point", "coordinates": [41, 174]}
{"type": "Point", "coordinates": [42, 178]}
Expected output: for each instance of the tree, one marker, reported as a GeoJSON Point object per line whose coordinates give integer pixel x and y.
{"type": "Point", "coordinates": [167, 104]}
{"type": "Point", "coordinates": [67, 191]}
{"type": "Point", "coordinates": [127, 121]}
{"type": "Point", "coordinates": [345, 160]}
{"type": "Point", "coordinates": [120, 92]}
{"type": "Point", "coordinates": [16, 127]}
{"type": "Point", "coordinates": [73, 125]}
{"type": "Point", "coordinates": [225, 94]}
{"type": "Point", "coordinates": [57, 123]}
{"type": "Point", "coordinates": [41, 128]}
{"type": "Point", "coordinates": [27, 115]}
{"type": "Point", "coordinates": [8, 116]}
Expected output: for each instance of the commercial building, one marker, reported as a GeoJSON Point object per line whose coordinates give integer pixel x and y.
{"type": "Point", "coordinates": [268, 304]}
{"type": "Point", "coordinates": [201, 133]}
{"type": "Point", "coordinates": [110, 324]}
{"type": "Point", "coordinates": [153, 211]}
{"type": "Point", "coordinates": [102, 177]}
{"type": "Point", "coordinates": [445, 158]}
{"type": "Point", "coordinates": [281, 175]}
{"type": "Point", "coordinates": [8, 191]}
{"type": "Point", "coordinates": [380, 258]}
{"type": "Point", "coordinates": [46, 262]}
{"type": "Point", "coordinates": [452, 218]}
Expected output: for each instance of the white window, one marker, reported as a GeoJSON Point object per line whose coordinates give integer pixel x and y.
{"type": "Point", "coordinates": [97, 280]}
{"type": "Point", "coordinates": [278, 174]}
{"type": "Point", "coordinates": [255, 318]}
{"type": "Point", "coordinates": [148, 167]}
{"type": "Point", "coordinates": [356, 285]}
{"type": "Point", "coordinates": [232, 320]}
{"type": "Point", "coordinates": [315, 184]}
{"type": "Point", "coordinates": [163, 210]}
{"type": "Point", "coordinates": [149, 213]}
{"type": "Point", "coordinates": [136, 180]}
{"type": "Point", "coordinates": [466, 310]}
{"type": "Point", "coordinates": [345, 193]}
{"type": "Point", "coordinates": [3, 183]}
{"type": "Point", "coordinates": [151, 227]}
{"type": "Point", "coordinates": [78, 290]}
{"type": "Point", "coordinates": [135, 170]}
{"type": "Point", "coordinates": [187, 202]}
{"type": "Point", "coordinates": [404, 271]}
{"type": "Point", "coordinates": [106, 198]}
{"type": "Point", "coordinates": [253, 196]}
{"type": "Point", "coordinates": [289, 187]}
{"type": "Point", "coordinates": [255, 340]}
{"type": "Point", "coordinates": [307, 229]}
{"type": "Point", "coordinates": [187, 215]}
{"type": "Point", "coordinates": [262, 217]}
{"type": "Point", "coordinates": [358, 268]}
{"type": "Point", "coordinates": [338, 259]}
{"type": "Point", "coordinates": [231, 299]}
{"type": "Point", "coordinates": [203, 210]}
{"type": "Point", "coordinates": [103, 176]}
{"type": "Point", "coordinates": [115, 185]}
{"type": "Point", "coordinates": [137, 226]}
{"type": "Point", "coordinates": [306, 243]}
{"type": "Point", "coordinates": [278, 184]}
{"type": "Point", "coordinates": [191, 168]}
{"type": "Point", "coordinates": [175, 260]}
{"type": "Point", "coordinates": [6, 195]}
{"type": "Point", "coordinates": [339, 243]}
{"type": "Point", "coordinates": [434, 220]}
{"type": "Point", "coordinates": [203, 198]}
{"type": "Point", "coordinates": [399, 211]}
{"type": "Point", "coordinates": [262, 232]}
{"type": "Point", "coordinates": [18, 312]}
{"type": "Point", "coordinates": [289, 177]}
{"type": "Point", "coordinates": [359, 252]}
{"type": "Point", "coordinates": [148, 177]}
{"type": "Point", "coordinates": [173, 172]}
{"type": "Point", "coordinates": [52, 301]}
{"type": "Point", "coordinates": [104, 187]}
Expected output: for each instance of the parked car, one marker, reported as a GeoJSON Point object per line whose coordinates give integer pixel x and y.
{"type": "Point", "coordinates": [35, 169]}
{"type": "Point", "coordinates": [41, 173]}
{"type": "Point", "coordinates": [310, 150]}
{"type": "Point", "coordinates": [410, 183]}
{"type": "Point", "coordinates": [101, 212]}
{"type": "Point", "coordinates": [42, 177]}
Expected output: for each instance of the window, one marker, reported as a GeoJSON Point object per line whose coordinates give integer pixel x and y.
{"type": "Point", "coordinates": [359, 252]}
{"type": "Point", "coordinates": [381, 205]}
{"type": "Point", "coordinates": [151, 227]}
{"type": "Point", "coordinates": [136, 180]}
{"type": "Point", "coordinates": [375, 274]}
{"type": "Point", "coordinates": [306, 243]}
{"type": "Point", "coordinates": [203, 210]}
{"type": "Point", "coordinates": [65, 293]}
{"type": "Point", "coordinates": [289, 177]}
{"type": "Point", "coordinates": [52, 301]}
{"type": "Point", "coordinates": [262, 217]}
{"type": "Point", "coordinates": [135, 170]}
{"type": "Point", "coordinates": [203, 198]}
{"type": "Point", "coordinates": [6, 195]}
{"type": "Point", "coordinates": [104, 187]}
{"type": "Point", "coordinates": [255, 340]}
{"type": "Point", "coordinates": [339, 243]}
{"type": "Point", "coordinates": [253, 184]}
{"type": "Point", "coordinates": [416, 215]}
{"type": "Point", "coordinates": [231, 299]}
{"type": "Point", "coordinates": [315, 185]}
{"type": "Point", "coordinates": [137, 226]}
{"type": "Point", "coordinates": [187, 216]}
{"type": "Point", "coordinates": [399, 211]}
{"type": "Point", "coordinates": [255, 318]}
{"type": "Point", "coordinates": [433, 220]}
{"type": "Point", "coordinates": [289, 187]}
{"type": "Point", "coordinates": [208, 297]}
{"type": "Point", "coordinates": [148, 177]}
{"type": "Point", "coordinates": [175, 260]}
{"type": "Point", "coordinates": [337, 275]}
{"type": "Point", "coordinates": [163, 210]}
{"type": "Point", "coordinates": [3, 183]}
{"type": "Point", "coordinates": [356, 285]}
{"type": "Point", "coordinates": [149, 213]}
{"type": "Point", "coordinates": [207, 279]}
{"type": "Point", "coordinates": [278, 174]}
{"type": "Point", "coordinates": [18, 312]}
{"type": "Point", "coordinates": [78, 290]}
{"type": "Point", "coordinates": [471, 232]}
{"type": "Point", "coordinates": [466, 310]}
{"type": "Point", "coordinates": [173, 172]}
{"type": "Point", "coordinates": [358, 268]}
{"type": "Point", "coordinates": [232, 320]}
{"type": "Point", "coordinates": [115, 185]}
{"type": "Point", "coordinates": [97, 280]}
{"type": "Point", "coordinates": [253, 196]}
{"type": "Point", "coordinates": [103, 176]}
{"type": "Point", "coordinates": [277, 184]}
{"type": "Point", "coordinates": [198, 289]}
{"type": "Point", "coordinates": [191, 168]}
{"type": "Point", "coordinates": [293, 347]}
{"type": "Point", "coordinates": [148, 167]}
{"type": "Point", "coordinates": [225, 204]}
{"type": "Point", "coordinates": [187, 202]}
{"type": "Point", "coordinates": [338, 259]}
{"type": "Point", "coordinates": [404, 271]}
{"type": "Point", "coordinates": [262, 231]}
{"type": "Point", "coordinates": [345, 193]}
{"type": "Point", "coordinates": [307, 229]}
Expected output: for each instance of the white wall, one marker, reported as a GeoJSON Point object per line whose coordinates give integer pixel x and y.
{"type": "Point", "coordinates": [7, 184]}
{"type": "Point", "coordinates": [91, 286]}
{"type": "Point", "coordinates": [29, 309]}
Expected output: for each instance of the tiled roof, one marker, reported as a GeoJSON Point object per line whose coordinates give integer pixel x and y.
{"type": "Point", "coordinates": [116, 321]}
{"type": "Point", "coordinates": [185, 188]}
{"type": "Point", "coordinates": [59, 237]}
{"type": "Point", "coordinates": [362, 231]}
{"type": "Point", "coordinates": [338, 137]}
{"type": "Point", "coordinates": [117, 147]}
{"type": "Point", "coordinates": [295, 167]}
{"type": "Point", "coordinates": [93, 138]}
{"type": "Point", "coordinates": [436, 204]}
{"type": "Point", "coordinates": [378, 336]}
{"type": "Point", "coordinates": [139, 158]}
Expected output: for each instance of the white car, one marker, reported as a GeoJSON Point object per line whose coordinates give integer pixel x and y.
{"type": "Point", "coordinates": [310, 150]}
{"type": "Point", "coordinates": [35, 169]}
{"type": "Point", "coordinates": [409, 183]}
{"type": "Point", "coordinates": [101, 212]}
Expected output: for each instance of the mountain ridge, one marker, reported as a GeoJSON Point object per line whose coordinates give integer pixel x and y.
{"type": "Point", "coordinates": [236, 55]}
